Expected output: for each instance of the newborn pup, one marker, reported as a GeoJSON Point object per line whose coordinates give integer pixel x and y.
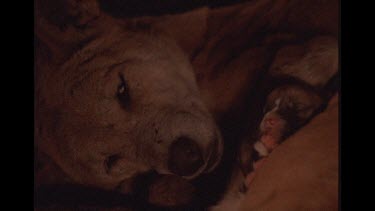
{"type": "Point", "coordinates": [287, 108]}
{"type": "Point", "coordinates": [290, 98]}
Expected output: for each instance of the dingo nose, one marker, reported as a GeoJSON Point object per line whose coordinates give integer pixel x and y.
{"type": "Point", "coordinates": [185, 157]}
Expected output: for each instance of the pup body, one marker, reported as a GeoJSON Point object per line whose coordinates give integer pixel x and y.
{"type": "Point", "coordinates": [286, 109]}
{"type": "Point", "coordinates": [296, 88]}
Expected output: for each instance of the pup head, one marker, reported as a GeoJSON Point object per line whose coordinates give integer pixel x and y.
{"type": "Point", "coordinates": [287, 108]}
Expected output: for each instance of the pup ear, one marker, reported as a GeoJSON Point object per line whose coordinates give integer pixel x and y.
{"type": "Point", "coordinates": [62, 24]}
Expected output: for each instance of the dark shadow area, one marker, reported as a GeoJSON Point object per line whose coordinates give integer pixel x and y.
{"type": "Point", "coordinates": [234, 125]}
{"type": "Point", "coordinates": [134, 8]}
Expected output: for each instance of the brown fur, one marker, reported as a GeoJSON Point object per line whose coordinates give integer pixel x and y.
{"type": "Point", "coordinates": [301, 174]}
{"type": "Point", "coordinates": [80, 123]}
{"type": "Point", "coordinates": [226, 48]}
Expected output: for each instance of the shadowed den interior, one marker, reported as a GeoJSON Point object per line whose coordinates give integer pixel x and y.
{"type": "Point", "coordinates": [186, 105]}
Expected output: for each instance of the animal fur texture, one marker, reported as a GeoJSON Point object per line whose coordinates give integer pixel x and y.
{"type": "Point", "coordinates": [290, 106]}
{"type": "Point", "coordinates": [82, 123]}
{"type": "Point", "coordinates": [185, 73]}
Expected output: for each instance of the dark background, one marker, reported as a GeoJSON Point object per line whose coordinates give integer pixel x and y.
{"type": "Point", "coordinates": [133, 8]}
{"type": "Point", "coordinates": [18, 148]}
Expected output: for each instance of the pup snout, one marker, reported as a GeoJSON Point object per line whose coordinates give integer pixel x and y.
{"type": "Point", "coordinates": [185, 157]}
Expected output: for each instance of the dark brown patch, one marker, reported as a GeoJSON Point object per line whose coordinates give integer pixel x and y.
{"type": "Point", "coordinates": [185, 157]}
{"type": "Point", "coordinates": [111, 161]}
{"type": "Point", "coordinates": [110, 126]}
{"type": "Point", "coordinates": [56, 12]}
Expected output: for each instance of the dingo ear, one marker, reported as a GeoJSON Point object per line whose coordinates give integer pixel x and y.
{"type": "Point", "coordinates": [188, 28]}
{"type": "Point", "coordinates": [63, 24]}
